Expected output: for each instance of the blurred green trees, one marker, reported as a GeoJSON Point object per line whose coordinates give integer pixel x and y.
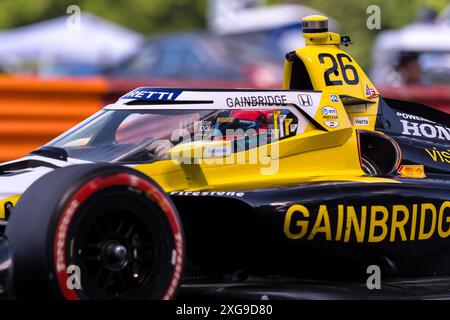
{"type": "Point", "coordinates": [145, 16]}
{"type": "Point", "coordinates": [152, 16]}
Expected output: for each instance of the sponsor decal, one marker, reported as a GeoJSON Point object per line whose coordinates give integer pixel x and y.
{"type": "Point", "coordinates": [305, 100]}
{"type": "Point", "coordinates": [208, 193]}
{"type": "Point", "coordinates": [329, 112]}
{"type": "Point", "coordinates": [368, 223]}
{"type": "Point", "coordinates": [334, 98]}
{"type": "Point", "coordinates": [412, 171]}
{"type": "Point", "coordinates": [442, 156]}
{"type": "Point", "coordinates": [330, 117]}
{"type": "Point", "coordinates": [61, 235]}
{"type": "Point", "coordinates": [361, 121]}
{"type": "Point", "coordinates": [224, 120]}
{"type": "Point", "coordinates": [332, 124]}
{"type": "Point", "coordinates": [204, 126]}
{"type": "Point", "coordinates": [408, 116]}
{"type": "Point", "coordinates": [413, 125]}
{"type": "Point", "coordinates": [370, 92]}
{"type": "Point", "coordinates": [427, 130]}
{"type": "Point", "coordinates": [254, 101]}
{"type": "Point", "coordinates": [151, 94]}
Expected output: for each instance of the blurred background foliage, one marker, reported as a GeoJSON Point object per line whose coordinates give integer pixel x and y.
{"type": "Point", "coordinates": [156, 16]}
{"type": "Point", "coordinates": [145, 16]}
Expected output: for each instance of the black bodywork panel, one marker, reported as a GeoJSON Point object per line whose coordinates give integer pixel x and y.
{"type": "Point", "coordinates": [320, 232]}
{"type": "Point", "coordinates": [402, 227]}
{"type": "Point", "coordinates": [422, 133]}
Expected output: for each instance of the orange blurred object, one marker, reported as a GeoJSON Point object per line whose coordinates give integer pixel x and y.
{"type": "Point", "coordinates": [34, 110]}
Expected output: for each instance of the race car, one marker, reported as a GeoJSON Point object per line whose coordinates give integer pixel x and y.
{"type": "Point", "coordinates": [253, 194]}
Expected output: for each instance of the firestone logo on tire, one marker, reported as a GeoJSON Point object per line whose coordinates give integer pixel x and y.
{"type": "Point", "coordinates": [62, 234]}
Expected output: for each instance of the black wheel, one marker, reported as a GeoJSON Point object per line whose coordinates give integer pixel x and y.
{"type": "Point", "coordinates": [95, 232]}
{"type": "Point", "coordinates": [369, 166]}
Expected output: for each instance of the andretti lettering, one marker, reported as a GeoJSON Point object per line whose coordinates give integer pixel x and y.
{"type": "Point", "coordinates": [368, 223]}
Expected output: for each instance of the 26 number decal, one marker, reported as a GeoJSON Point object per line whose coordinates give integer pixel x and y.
{"type": "Point", "coordinates": [330, 71]}
{"type": "Point", "coordinates": [334, 69]}
{"type": "Point", "coordinates": [347, 67]}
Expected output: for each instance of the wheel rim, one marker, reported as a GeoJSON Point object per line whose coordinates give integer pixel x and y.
{"type": "Point", "coordinates": [116, 252]}
{"type": "Point", "coordinates": [117, 244]}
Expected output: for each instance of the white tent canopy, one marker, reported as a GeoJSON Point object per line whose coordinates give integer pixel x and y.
{"type": "Point", "coordinates": [95, 41]}
{"type": "Point", "coordinates": [242, 16]}
{"type": "Point", "coordinates": [416, 37]}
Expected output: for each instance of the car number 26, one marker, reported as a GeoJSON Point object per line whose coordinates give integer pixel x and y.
{"type": "Point", "coordinates": [348, 71]}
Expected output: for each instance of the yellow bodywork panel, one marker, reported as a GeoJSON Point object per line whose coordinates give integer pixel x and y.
{"type": "Point", "coordinates": [311, 157]}
{"type": "Point", "coordinates": [327, 68]}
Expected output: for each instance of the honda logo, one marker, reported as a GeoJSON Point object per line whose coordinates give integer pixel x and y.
{"type": "Point", "coordinates": [305, 100]}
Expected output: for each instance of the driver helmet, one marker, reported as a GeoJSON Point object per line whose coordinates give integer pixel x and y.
{"type": "Point", "coordinates": [257, 120]}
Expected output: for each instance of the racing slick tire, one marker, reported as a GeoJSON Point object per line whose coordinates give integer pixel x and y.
{"type": "Point", "coordinates": [95, 231]}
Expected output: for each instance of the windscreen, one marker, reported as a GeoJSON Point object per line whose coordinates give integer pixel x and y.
{"type": "Point", "coordinates": [141, 136]}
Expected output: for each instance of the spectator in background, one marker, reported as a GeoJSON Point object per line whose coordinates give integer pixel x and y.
{"type": "Point", "coordinates": [408, 70]}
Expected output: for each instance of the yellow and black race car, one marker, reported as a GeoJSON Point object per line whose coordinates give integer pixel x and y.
{"type": "Point", "coordinates": [291, 193]}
